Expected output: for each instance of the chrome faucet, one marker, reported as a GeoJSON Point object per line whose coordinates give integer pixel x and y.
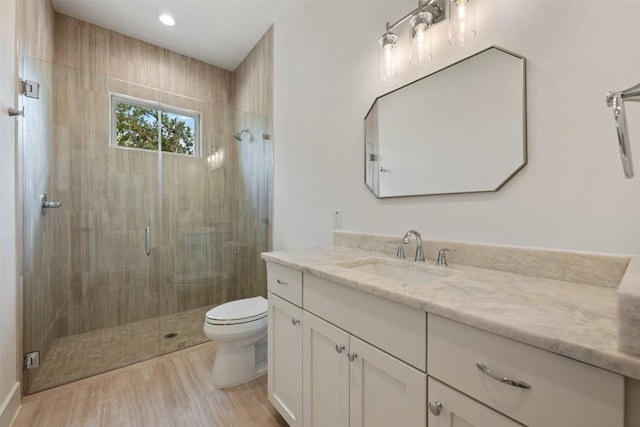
{"type": "Point", "coordinates": [405, 240]}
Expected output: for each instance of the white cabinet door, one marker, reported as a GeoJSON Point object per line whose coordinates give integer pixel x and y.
{"type": "Point", "coordinates": [325, 376]}
{"type": "Point", "coordinates": [285, 359]}
{"type": "Point", "coordinates": [383, 390]}
{"type": "Point", "coordinates": [449, 408]}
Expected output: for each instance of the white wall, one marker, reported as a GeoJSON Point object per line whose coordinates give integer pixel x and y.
{"type": "Point", "coordinates": [9, 387]}
{"type": "Point", "coordinates": [571, 195]}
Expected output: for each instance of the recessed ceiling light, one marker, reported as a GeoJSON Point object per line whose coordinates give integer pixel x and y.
{"type": "Point", "coordinates": [167, 19]}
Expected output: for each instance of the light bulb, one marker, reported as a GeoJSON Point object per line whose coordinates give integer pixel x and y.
{"type": "Point", "coordinates": [420, 51]}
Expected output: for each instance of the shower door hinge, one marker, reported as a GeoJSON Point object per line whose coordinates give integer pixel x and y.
{"type": "Point", "coordinates": [32, 359]}
{"type": "Point", "coordinates": [31, 89]}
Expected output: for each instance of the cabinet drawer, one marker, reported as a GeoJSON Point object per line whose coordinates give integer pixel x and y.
{"type": "Point", "coordinates": [393, 327]}
{"type": "Point", "coordinates": [285, 282]}
{"type": "Point", "coordinates": [563, 392]}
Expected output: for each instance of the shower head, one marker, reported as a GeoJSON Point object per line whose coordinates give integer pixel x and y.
{"type": "Point", "coordinates": [238, 135]}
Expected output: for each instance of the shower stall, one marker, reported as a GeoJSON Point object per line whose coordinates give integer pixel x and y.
{"type": "Point", "coordinates": [148, 235]}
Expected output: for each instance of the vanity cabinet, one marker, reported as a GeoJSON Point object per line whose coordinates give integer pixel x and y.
{"type": "Point", "coordinates": [348, 382]}
{"type": "Point", "coordinates": [342, 357]}
{"type": "Point", "coordinates": [285, 342]}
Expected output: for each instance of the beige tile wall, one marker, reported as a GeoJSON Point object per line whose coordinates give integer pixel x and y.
{"type": "Point", "coordinates": [87, 47]}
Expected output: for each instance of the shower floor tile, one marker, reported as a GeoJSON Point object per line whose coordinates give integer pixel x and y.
{"type": "Point", "coordinates": [90, 353]}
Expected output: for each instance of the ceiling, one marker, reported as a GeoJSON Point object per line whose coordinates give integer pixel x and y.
{"type": "Point", "coordinates": [219, 32]}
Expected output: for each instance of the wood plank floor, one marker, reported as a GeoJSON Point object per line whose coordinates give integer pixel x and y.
{"type": "Point", "coordinates": [171, 390]}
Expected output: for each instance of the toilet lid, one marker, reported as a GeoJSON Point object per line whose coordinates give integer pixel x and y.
{"type": "Point", "coordinates": [239, 311]}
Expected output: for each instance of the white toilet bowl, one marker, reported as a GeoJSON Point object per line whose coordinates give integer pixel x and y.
{"type": "Point", "coordinates": [239, 329]}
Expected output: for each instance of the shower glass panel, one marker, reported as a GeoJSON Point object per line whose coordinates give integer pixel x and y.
{"type": "Point", "coordinates": [145, 240]}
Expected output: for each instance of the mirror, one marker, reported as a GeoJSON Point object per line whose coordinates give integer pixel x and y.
{"type": "Point", "coordinates": [461, 129]}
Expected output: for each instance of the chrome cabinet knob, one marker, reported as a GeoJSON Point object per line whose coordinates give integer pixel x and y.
{"type": "Point", "coordinates": [435, 407]}
{"type": "Point", "coordinates": [339, 348]}
{"type": "Point", "coordinates": [352, 356]}
{"type": "Point", "coordinates": [294, 322]}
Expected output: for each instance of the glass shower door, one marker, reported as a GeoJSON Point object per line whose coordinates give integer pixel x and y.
{"type": "Point", "coordinates": [89, 286]}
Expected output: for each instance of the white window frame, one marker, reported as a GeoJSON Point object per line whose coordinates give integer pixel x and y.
{"type": "Point", "coordinates": [115, 98]}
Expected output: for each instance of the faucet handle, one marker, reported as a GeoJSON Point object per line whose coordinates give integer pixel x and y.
{"type": "Point", "coordinates": [442, 256]}
{"type": "Point", "coordinates": [400, 251]}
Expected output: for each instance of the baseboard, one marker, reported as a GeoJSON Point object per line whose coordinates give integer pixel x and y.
{"type": "Point", "coordinates": [10, 406]}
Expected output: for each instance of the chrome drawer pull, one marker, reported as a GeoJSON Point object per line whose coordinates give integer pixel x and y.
{"type": "Point", "coordinates": [352, 356]}
{"type": "Point", "coordinates": [435, 407]}
{"type": "Point", "coordinates": [294, 322]}
{"type": "Point", "coordinates": [503, 380]}
{"type": "Point", "coordinates": [339, 348]}
{"type": "Point", "coordinates": [282, 282]}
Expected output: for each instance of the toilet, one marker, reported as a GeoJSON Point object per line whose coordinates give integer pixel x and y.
{"type": "Point", "coordinates": [239, 329]}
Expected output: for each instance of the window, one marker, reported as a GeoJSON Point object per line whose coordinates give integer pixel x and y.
{"type": "Point", "coordinates": [146, 125]}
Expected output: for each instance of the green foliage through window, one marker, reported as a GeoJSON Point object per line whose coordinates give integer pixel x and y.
{"type": "Point", "coordinates": [140, 125]}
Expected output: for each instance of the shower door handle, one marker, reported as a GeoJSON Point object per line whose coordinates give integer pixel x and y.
{"type": "Point", "coordinates": [147, 240]}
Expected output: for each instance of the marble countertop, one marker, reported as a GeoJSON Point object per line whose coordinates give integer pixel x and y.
{"type": "Point", "coordinates": [571, 319]}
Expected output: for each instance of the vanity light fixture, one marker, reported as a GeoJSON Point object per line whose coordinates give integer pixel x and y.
{"type": "Point", "coordinates": [421, 19]}
{"type": "Point", "coordinates": [461, 15]}
{"type": "Point", "coordinates": [167, 19]}
{"type": "Point", "coordinates": [462, 21]}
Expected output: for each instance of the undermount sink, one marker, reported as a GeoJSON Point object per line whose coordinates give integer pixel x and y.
{"type": "Point", "coordinates": [406, 274]}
